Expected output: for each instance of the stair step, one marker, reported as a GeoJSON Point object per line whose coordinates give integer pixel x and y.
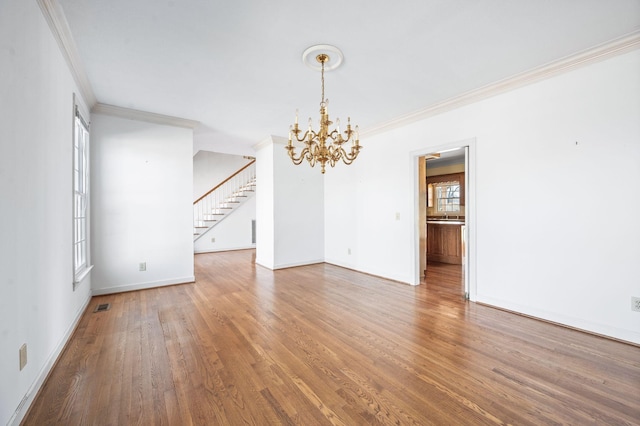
{"type": "Point", "coordinates": [206, 220]}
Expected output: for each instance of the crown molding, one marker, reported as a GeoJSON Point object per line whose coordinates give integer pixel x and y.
{"type": "Point", "coordinates": [54, 15]}
{"type": "Point", "coordinates": [271, 140]}
{"type": "Point", "coordinates": [150, 117]}
{"type": "Point", "coordinates": [598, 53]}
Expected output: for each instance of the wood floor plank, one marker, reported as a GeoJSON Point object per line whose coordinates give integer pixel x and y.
{"type": "Point", "coordinates": [323, 345]}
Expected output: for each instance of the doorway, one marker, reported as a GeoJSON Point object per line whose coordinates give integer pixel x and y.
{"type": "Point", "coordinates": [445, 206]}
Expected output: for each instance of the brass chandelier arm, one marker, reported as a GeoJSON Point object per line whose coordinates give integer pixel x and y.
{"type": "Point", "coordinates": [307, 135]}
{"type": "Point", "coordinates": [337, 137]}
{"type": "Point", "coordinates": [347, 157]}
{"type": "Point", "coordinates": [334, 135]}
{"type": "Point", "coordinates": [297, 160]}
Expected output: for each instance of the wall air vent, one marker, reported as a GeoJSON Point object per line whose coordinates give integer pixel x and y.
{"type": "Point", "coordinates": [253, 231]}
{"type": "Point", "coordinates": [102, 307]}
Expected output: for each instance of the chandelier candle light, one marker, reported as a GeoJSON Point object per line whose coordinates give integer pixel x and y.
{"type": "Point", "coordinates": [316, 149]}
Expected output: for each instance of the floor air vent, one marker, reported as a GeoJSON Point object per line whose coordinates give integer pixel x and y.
{"type": "Point", "coordinates": [102, 307]}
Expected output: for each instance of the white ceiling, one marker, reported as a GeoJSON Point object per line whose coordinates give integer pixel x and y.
{"type": "Point", "coordinates": [235, 66]}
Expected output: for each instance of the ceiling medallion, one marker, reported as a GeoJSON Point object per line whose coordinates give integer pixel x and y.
{"type": "Point", "coordinates": [323, 57]}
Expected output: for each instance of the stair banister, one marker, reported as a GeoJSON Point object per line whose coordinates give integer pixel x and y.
{"type": "Point", "coordinates": [225, 181]}
{"type": "Point", "coordinates": [214, 206]}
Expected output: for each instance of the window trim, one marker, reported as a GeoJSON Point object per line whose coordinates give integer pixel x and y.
{"type": "Point", "coordinates": [80, 190]}
{"type": "Point", "coordinates": [460, 176]}
{"type": "Point", "coordinates": [442, 198]}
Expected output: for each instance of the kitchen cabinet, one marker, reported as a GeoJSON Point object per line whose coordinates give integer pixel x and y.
{"type": "Point", "coordinates": [444, 243]}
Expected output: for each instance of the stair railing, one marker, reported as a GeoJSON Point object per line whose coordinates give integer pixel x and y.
{"type": "Point", "coordinates": [221, 198]}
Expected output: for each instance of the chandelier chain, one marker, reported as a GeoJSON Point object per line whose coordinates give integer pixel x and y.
{"type": "Point", "coordinates": [322, 101]}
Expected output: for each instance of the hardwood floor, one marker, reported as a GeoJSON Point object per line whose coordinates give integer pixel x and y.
{"type": "Point", "coordinates": [320, 345]}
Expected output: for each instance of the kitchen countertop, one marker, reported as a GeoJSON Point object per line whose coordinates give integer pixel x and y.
{"type": "Point", "coordinates": [445, 222]}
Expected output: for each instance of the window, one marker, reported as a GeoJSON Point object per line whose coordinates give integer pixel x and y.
{"type": "Point", "coordinates": [448, 196]}
{"type": "Point", "coordinates": [80, 198]}
{"type": "Point", "coordinates": [445, 193]}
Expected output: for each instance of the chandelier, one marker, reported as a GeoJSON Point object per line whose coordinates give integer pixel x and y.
{"type": "Point", "coordinates": [325, 145]}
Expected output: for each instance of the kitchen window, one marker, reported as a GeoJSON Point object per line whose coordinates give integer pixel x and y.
{"type": "Point", "coordinates": [445, 193]}
{"type": "Point", "coordinates": [447, 196]}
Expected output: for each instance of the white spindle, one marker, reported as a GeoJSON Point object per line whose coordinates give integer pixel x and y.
{"type": "Point", "coordinates": [217, 203]}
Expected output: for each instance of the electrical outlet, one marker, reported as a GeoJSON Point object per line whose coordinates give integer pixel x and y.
{"type": "Point", "coordinates": [213, 240]}
{"type": "Point", "coordinates": [348, 251]}
{"type": "Point", "coordinates": [143, 266]}
{"type": "Point", "coordinates": [635, 304]}
{"type": "Point", "coordinates": [23, 356]}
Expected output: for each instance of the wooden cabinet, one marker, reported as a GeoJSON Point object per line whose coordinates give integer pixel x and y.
{"type": "Point", "coordinates": [444, 243]}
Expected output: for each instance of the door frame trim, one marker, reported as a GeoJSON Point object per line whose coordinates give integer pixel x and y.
{"type": "Point", "coordinates": [470, 210]}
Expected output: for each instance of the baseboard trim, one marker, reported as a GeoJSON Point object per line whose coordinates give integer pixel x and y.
{"type": "Point", "coordinates": [33, 392]}
{"type": "Point", "coordinates": [143, 286]}
{"type": "Point", "coordinates": [344, 266]}
{"type": "Point", "coordinates": [249, 247]}
{"type": "Point", "coordinates": [294, 264]}
{"type": "Point", "coordinates": [611, 333]}
{"type": "Point", "coordinates": [288, 265]}
{"type": "Point", "coordinates": [377, 274]}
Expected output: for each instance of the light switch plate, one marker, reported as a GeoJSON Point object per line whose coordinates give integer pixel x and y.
{"type": "Point", "coordinates": [23, 356]}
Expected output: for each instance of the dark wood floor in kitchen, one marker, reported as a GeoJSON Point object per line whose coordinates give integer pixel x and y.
{"type": "Point", "coordinates": [320, 345]}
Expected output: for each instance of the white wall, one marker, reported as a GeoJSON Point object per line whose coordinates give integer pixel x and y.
{"type": "Point", "coordinates": [38, 305]}
{"type": "Point", "coordinates": [344, 212]}
{"type": "Point", "coordinates": [141, 181]}
{"type": "Point", "coordinates": [557, 178]}
{"type": "Point", "coordinates": [211, 168]}
{"type": "Point", "coordinates": [265, 204]}
{"type": "Point", "coordinates": [290, 212]}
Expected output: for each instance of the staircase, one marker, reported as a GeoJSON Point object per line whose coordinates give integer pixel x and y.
{"type": "Point", "coordinates": [217, 204]}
